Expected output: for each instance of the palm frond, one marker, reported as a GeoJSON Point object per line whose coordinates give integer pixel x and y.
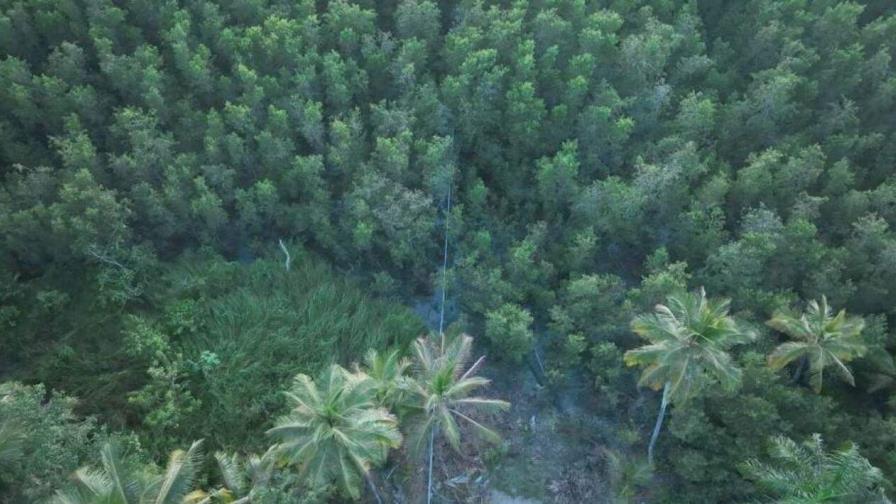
{"type": "Point", "coordinates": [232, 473]}
{"type": "Point", "coordinates": [180, 473]}
{"type": "Point", "coordinates": [96, 482]}
{"type": "Point", "coordinates": [117, 471]}
{"type": "Point", "coordinates": [786, 353]}
{"type": "Point", "coordinates": [808, 473]}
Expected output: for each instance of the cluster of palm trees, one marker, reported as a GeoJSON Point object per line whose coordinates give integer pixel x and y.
{"type": "Point", "coordinates": [690, 337]}
{"type": "Point", "coordinates": [340, 427]}
{"type": "Point", "coordinates": [344, 423]}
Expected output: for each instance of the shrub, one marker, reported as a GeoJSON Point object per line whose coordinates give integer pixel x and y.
{"type": "Point", "coordinates": [508, 329]}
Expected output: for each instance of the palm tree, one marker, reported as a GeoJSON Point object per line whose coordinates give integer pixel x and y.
{"type": "Point", "coordinates": [689, 338]}
{"type": "Point", "coordinates": [336, 432]}
{"type": "Point", "coordinates": [821, 339]}
{"type": "Point", "coordinates": [120, 481]}
{"type": "Point", "coordinates": [389, 374]}
{"type": "Point", "coordinates": [806, 473]}
{"type": "Point", "coordinates": [442, 388]}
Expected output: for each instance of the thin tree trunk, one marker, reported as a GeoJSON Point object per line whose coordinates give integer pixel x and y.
{"type": "Point", "coordinates": [659, 424]}
{"type": "Point", "coordinates": [800, 369]}
{"type": "Point", "coordinates": [432, 437]}
{"type": "Point", "coordinates": [288, 260]}
{"type": "Point", "coordinates": [376, 494]}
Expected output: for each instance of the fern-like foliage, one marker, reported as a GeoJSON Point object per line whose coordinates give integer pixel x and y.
{"type": "Point", "coordinates": [804, 473]}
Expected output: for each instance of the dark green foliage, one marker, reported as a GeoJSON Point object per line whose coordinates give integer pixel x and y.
{"type": "Point", "coordinates": [41, 442]}
{"type": "Point", "coordinates": [806, 473]}
{"type": "Point", "coordinates": [509, 330]}
{"type": "Point", "coordinates": [737, 425]}
{"type": "Point", "coordinates": [600, 156]}
{"type": "Point", "coordinates": [229, 331]}
{"type": "Point", "coordinates": [198, 356]}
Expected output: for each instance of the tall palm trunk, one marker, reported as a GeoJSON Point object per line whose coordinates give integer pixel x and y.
{"type": "Point", "coordinates": [432, 437]}
{"type": "Point", "coordinates": [799, 370]}
{"type": "Point", "coordinates": [659, 424]}
{"type": "Point", "coordinates": [376, 494]}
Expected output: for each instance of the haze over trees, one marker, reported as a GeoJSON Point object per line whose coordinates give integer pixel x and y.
{"type": "Point", "coordinates": [204, 202]}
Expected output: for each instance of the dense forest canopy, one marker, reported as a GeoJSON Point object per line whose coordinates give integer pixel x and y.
{"type": "Point", "coordinates": [648, 206]}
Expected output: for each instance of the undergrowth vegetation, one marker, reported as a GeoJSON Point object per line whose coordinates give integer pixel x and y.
{"type": "Point", "coordinates": [201, 200]}
{"type": "Point", "coordinates": [200, 357]}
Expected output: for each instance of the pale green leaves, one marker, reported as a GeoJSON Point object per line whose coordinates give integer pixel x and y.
{"type": "Point", "coordinates": [821, 338]}
{"type": "Point", "coordinates": [120, 481]}
{"type": "Point", "coordinates": [806, 473]}
{"type": "Point", "coordinates": [336, 431]}
{"type": "Point", "coordinates": [689, 338]}
{"type": "Point", "coordinates": [443, 391]}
